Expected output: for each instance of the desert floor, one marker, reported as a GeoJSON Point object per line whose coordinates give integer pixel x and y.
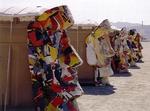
{"type": "Point", "coordinates": [131, 92]}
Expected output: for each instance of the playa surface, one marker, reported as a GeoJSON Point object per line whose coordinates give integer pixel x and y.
{"type": "Point", "coordinates": [131, 92]}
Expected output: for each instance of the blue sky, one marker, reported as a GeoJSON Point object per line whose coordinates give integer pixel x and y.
{"type": "Point", "coordinates": [93, 11]}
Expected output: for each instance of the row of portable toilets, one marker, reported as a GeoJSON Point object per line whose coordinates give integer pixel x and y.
{"type": "Point", "coordinates": [112, 51]}
{"type": "Point", "coordinates": [15, 80]}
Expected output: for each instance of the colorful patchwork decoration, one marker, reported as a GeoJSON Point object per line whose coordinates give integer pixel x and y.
{"type": "Point", "coordinates": [138, 47]}
{"type": "Point", "coordinates": [53, 62]}
{"type": "Point", "coordinates": [56, 18]}
{"type": "Point", "coordinates": [99, 52]}
{"type": "Point", "coordinates": [99, 42]}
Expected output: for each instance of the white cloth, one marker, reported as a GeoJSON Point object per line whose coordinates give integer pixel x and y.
{"type": "Point", "coordinates": [90, 54]}
{"type": "Point", "coordinates": [104, 71]}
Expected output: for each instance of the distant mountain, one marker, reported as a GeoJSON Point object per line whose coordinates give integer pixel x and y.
{"type": "Point", "coordinates": [144, 30]}
{"type": "Point", "coordinates": [125, 24]}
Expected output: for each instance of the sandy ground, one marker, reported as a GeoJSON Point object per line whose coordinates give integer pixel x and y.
{"type": "Point", "coordinates": [131, 92]}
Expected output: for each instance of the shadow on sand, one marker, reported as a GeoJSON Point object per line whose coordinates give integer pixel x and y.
{"type": "Point", "coordinates": [140, 61]}
{"type": "Point", "coordinates": [100, 90]}
{"type": "Point", "coordinates": [134, 67]}
{"type": "Point", "coordinates": [122, 74]}
{"type": "Point", "coordinates": [20, 109]}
